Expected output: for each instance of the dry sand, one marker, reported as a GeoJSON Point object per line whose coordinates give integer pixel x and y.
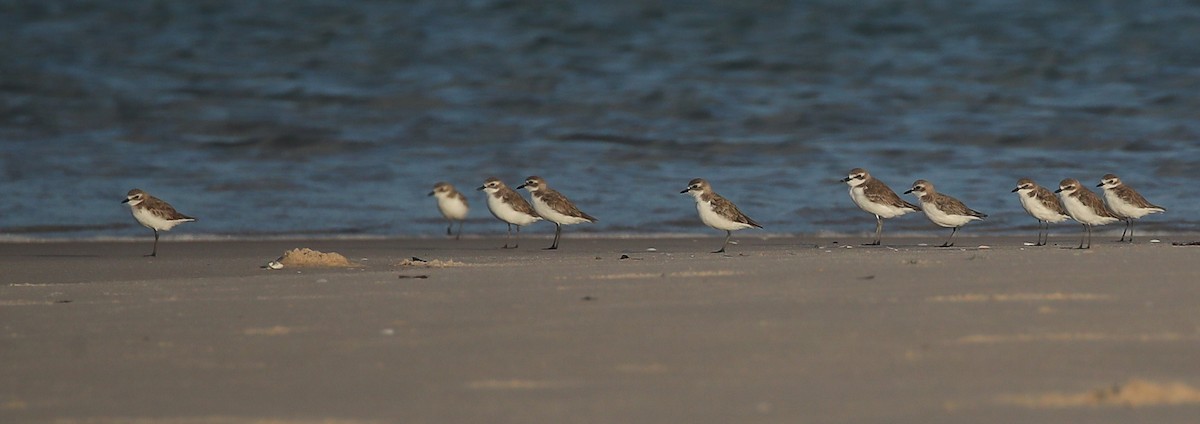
{"type": "Point", "coordinates": [778, 331]}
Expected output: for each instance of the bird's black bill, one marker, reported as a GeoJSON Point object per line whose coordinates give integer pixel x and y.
{"type": "Point", "coordinates": [847, 179]}
{"type": "Point", "coordinates": [1058, 191]}
{"type": "Point", "coordinates": [1100, 185]}
{"type": "Point", "coordinates": [431, 193]}
{"type": "Point", "coordinates": [909, 191]}
{"type": "Point", "coordinates": [125, 201]}
{"type": "Point", "coordinates": [1016, 189]}
{"type": "Point", "coordinates": [480, 188]}
{"type": "Point", "coordinates": [521, 186]}
{"type": "Point", "coordinates": [685, 190]}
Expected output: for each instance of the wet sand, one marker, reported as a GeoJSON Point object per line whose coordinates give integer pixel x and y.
{"type": "Point", "coordinates": [778, 330]}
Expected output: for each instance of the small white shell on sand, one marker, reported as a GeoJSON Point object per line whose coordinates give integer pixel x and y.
{"type": "Point", "coordinates": [984, 246]}
{"type": "Point", "coordinates": [651, 249]}
{"type": "Point", "coordinates": [1156, 241]}
{"type": "Point", "coordinates": [1028, 244]}
{"type": "Point", "coordinates": [274, 265]}
{"type": "Point", "coordinates": [922, 244]}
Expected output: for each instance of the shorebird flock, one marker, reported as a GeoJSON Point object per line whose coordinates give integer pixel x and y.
{"type": "Point", "coordinates": [1074, 201]}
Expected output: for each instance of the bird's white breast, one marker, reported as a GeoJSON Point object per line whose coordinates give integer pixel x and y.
{"type": "Point", "coordinates": [150, 220]}
{"type": "Point", "coordinates": [552, 215]}
{"type": "Point", "coordinates": [1084, 214]}
{"type": "Point", "coordinates": [859, 195]}
{"type": "Point", "coordinates": [452, 208]}
{"type": "Point", "coordinates": [505, 212]}
{"type": "Point", "coordinates": [1035, 207]}
{"type": "Point", "coordinates": [944, 219]}
{"type": "Point", "coordinates": [713, 219]}
{"type": "Point", "coordinates": [1125, 209]}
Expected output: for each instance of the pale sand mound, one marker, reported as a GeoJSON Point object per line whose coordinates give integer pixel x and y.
{"type": "Point", "coordinates": [1134, 393]}
{"type": "Point", "coordinates": [305, 257]}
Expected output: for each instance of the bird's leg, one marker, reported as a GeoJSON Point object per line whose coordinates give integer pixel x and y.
{"type": "Point", "coordinates": [950, 241]}
{"type": "Point", "coordinates": [878, 231]}
{"type": "Point", "coordinates": [459, 235]}
{"type": "Point", "coordinates": [557, 233]}
{"type": "Point", "coordinates": [154, 253]}
{"type": "Point", "coordinates": [728, 234]}
{"type": "Point", "coordinates": [509, 235]}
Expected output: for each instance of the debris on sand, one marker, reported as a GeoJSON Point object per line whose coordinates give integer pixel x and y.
{"type": "Point", "coordinates": [416, 262]}
{"type": "Point", "coordinates": [1133, 393]}
{"type": "Point", "coordinates": [1190, 243]}
{"type": "Point", "coordinates": [305, 257]}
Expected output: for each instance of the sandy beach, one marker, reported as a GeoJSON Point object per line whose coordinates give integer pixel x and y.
{"type": "Point", "coordinates": [778, 330]}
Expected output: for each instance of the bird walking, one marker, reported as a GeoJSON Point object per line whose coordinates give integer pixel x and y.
{"type": "Point", "coordinates": [508, 206]}
{"type": "Point", "coordinates": [1043, 205]}
{"type": "Point", "coordinates": [716, 211]}
{"type": "Point", "coordinates": [452, 204]}
{"type": "Point", "coordinates": [554, 207]}
{"type": "Point", "coordinates": [1126, 203]}
{"type": "Point", "coordinates": [875, 197]}
{"type": "Point", "coordinates": [154, 214]}
{"type": "Point", "coordinates": [1084, 207]}
{"type": "Point", "coordinates": [943, 210]}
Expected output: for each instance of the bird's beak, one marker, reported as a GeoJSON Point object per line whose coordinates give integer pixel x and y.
{"type": "Point", "coordinates": [846, 180]}
{"type": "Point", "coordinates": [126, 200]}
{"type": "Point", "coordinates": [1100, 185]}
{"type": "Point", "coordinates": [431, 193]}
{"type": "Point", "coordinates": [685, 190]}
{"type": "Point", "coordinates": [480, 188]}
{"type": "Point", "coordinates": [1059, 190]}
{"type": "Point", "coordinates": [521, 186]}
{"type": "Point", "coordinates": [1016, 189]}
{"type": "Point", "coordinates": [909, 191]}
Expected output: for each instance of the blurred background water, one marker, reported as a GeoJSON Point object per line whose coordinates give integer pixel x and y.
{"type": "Point", "coordinates": [328, 118]}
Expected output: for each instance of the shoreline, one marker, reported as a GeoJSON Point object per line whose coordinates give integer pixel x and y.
{"type": "Point", "coordinates": [182, 236]}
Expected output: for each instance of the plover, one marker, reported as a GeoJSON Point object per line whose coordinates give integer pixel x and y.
{"type": "Point", "coordinates": [716, 211]}
{"type": "Point", "coordinates": [875, 197]}
{"type": "Point", "coordinates": [1126, 203]}
{"type": "Point", "coordinates": [943, 210]}
{"type": "Point", "coordinates": [452, 204]}
{"type": "Point", "coordinates": [154, 214]}
{"type": "Point", "coordinates": [554, 207]}
{"type": "Point", "coordinates": [1043, 205]}
{"type": "Point", "coordinates": [508, 206]}
{"type": "Point", "coordinates": [1084, 207]}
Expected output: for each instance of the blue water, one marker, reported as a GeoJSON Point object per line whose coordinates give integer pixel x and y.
{"type": "Point", "coordinates": [336, 118]}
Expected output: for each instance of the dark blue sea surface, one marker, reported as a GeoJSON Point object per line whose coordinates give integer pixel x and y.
{"type": "Point", "coordinates": [334, 118]}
